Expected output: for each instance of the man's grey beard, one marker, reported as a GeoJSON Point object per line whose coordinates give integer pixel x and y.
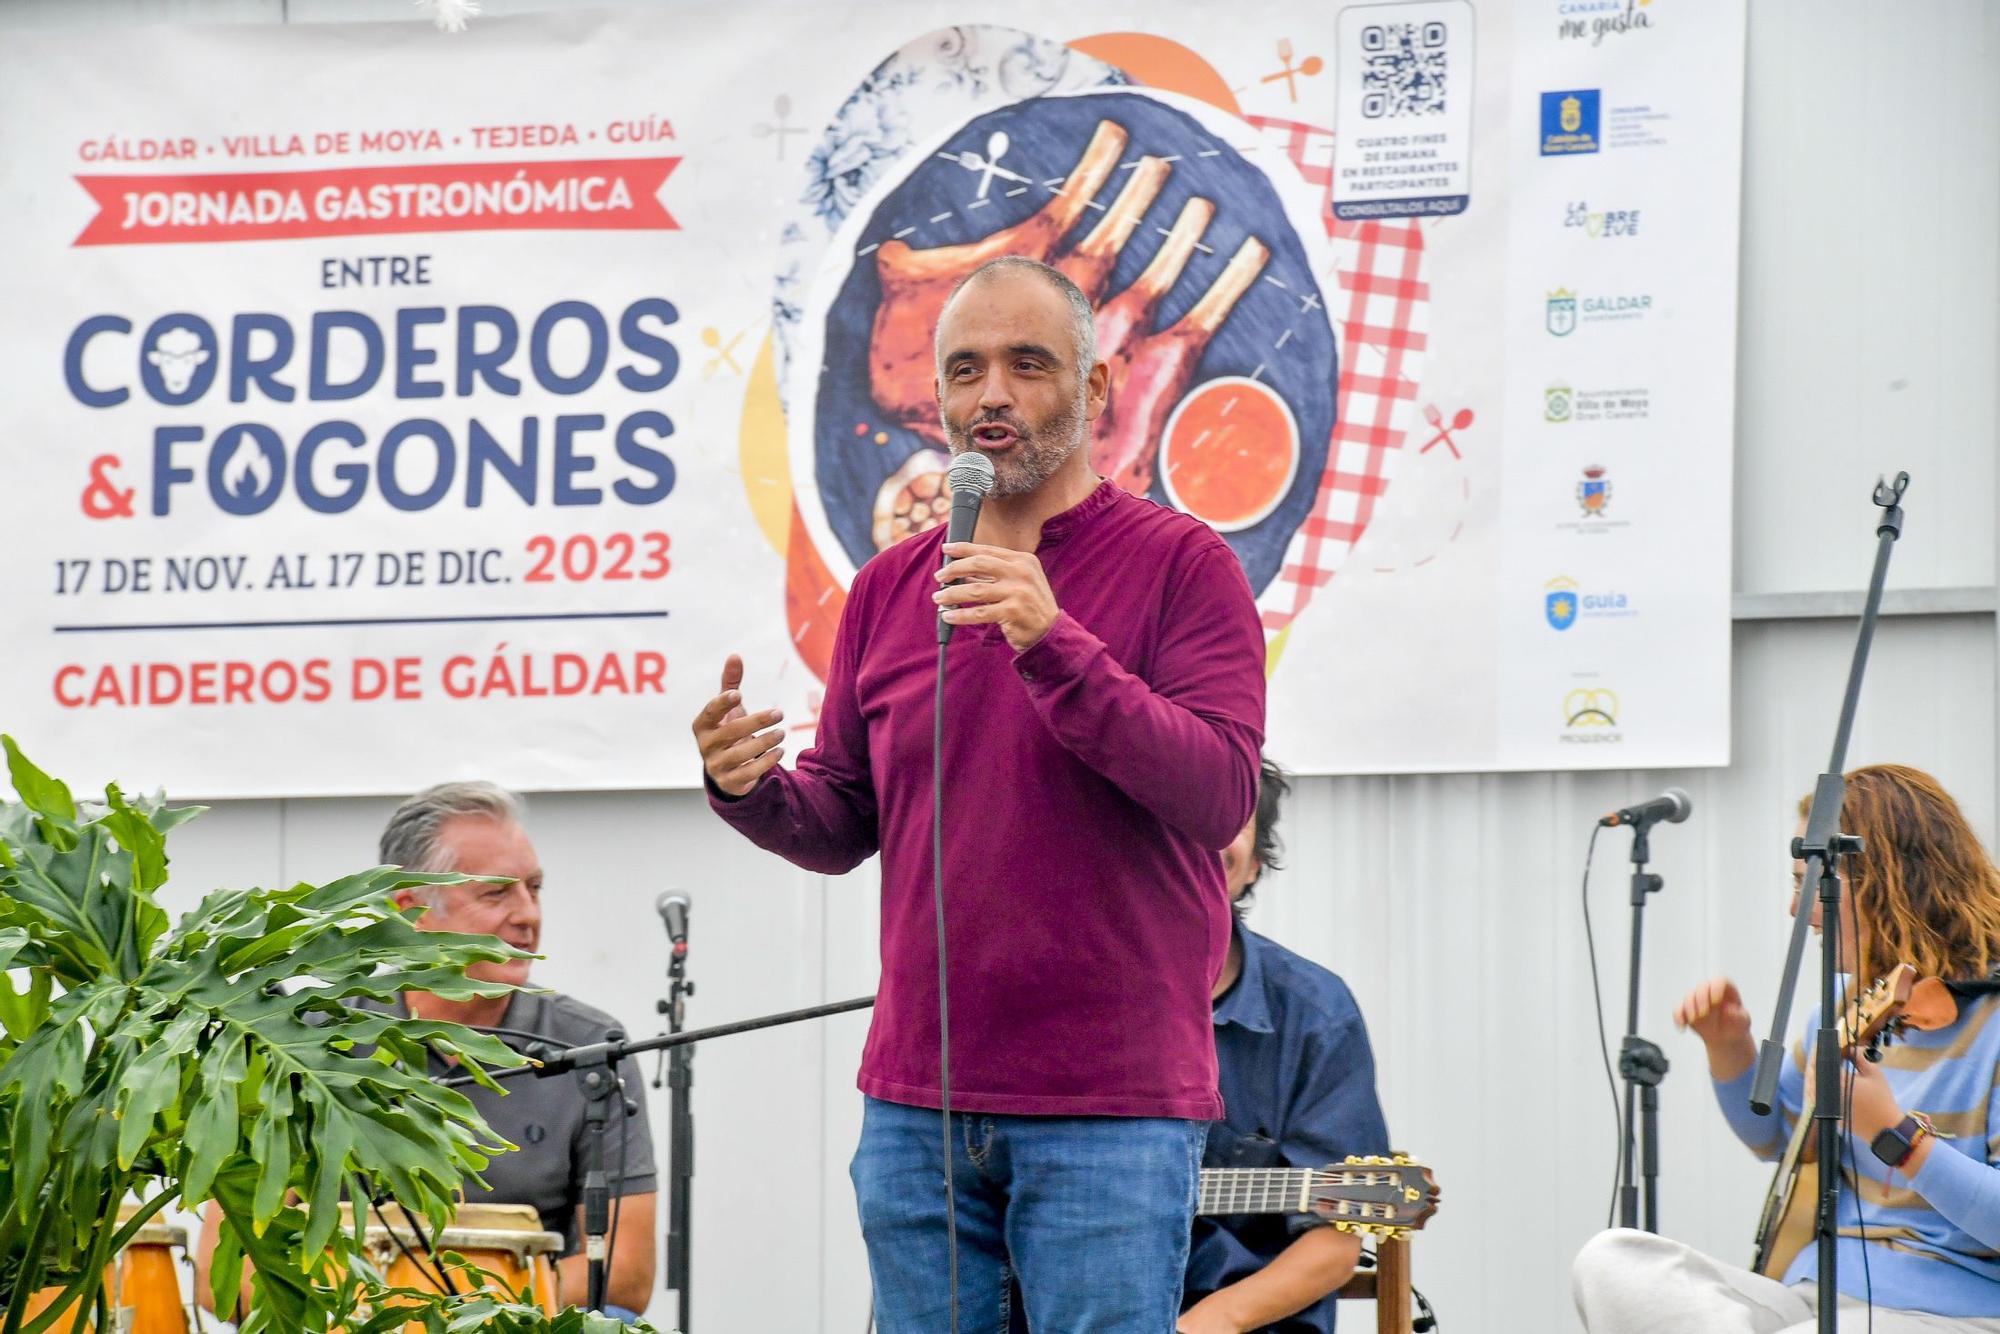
{"type": "Point", "coordinates": [1040, 454]}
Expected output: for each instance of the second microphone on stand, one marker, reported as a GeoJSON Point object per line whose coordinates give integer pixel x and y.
{"type": "Point", "coordinates": [673, 910]}
{"type": "Point", "coordinates": [1673, 806]}
{"type": "Point", "coordinates": [1641, 1064]}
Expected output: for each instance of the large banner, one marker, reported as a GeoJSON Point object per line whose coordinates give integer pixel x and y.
{"type": "Point", "coordinates": [385, 404]}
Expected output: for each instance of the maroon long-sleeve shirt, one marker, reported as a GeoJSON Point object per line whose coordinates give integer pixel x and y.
{"type": "Point", "coordinates": [1090, 783]}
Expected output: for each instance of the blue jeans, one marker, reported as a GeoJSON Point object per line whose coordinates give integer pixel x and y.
{"type": "Point", "coordinates": [1086, 1217]}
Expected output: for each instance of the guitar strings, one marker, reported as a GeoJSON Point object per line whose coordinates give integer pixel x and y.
{"type": "Point", "coordinates": [1269, 1189]}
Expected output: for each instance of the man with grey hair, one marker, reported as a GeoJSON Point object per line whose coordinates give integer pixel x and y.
{"type": "Point", "coordinates": [1104, 707]}
{"type": "Point", "coordinates": [475, 828]}
{"type": "Point", "coordinates": [1041, 452]}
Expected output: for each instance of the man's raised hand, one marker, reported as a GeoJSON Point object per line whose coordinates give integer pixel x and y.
{"type": "Point", "coordinates": [737, 748]}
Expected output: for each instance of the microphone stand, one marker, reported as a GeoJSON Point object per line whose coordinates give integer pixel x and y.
{"type": "Point", "coordinates": [1641, 1064]}
{"type": "Point", "coordinates": [680, 1120]}
{"type": "Point", "coordinates": [1820, 849]}
{"type": "Point", "coordinates": [597, 1080]}
{"type": "Point", "coordinates": [596, 1067]}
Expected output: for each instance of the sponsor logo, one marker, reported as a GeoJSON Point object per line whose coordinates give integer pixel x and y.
{"type": "Point", "coordinates": [1565, 309]}
{"type": "Point", "coordinates": [1593, 20]}
{"type": "Point", "coordinates": [1622, 306]}
{"type": "Point", "coordinates": [1561, 404]}
{"type": "Point", "coordinates": [1640, 125]}
{"type": "Point", "coordinates": [1601, 224]}
{"type": "Point", "coordinates": [1560, 603]}
{"type": "Point", "coordinates": [1592, 494]}
{"type": "Point", "coordinates": [1570, 122]}
{"type": "Point", "coordinates": [1590, 717]}
{"type": "Point", "coordinates": [1561, 316]}
{"type": "Point", "coordinates": [1564, 602]}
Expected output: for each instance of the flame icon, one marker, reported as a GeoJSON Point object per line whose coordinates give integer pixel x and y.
{"type": "Point", "coordinates": [246, 474]}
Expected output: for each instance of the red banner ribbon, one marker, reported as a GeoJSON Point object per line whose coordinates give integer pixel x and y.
{"type": "Point", "coordinates": [615, 194]}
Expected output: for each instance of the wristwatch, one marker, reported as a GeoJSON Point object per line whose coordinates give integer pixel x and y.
{"type": "Point", "coordinates": [1895, 1145]}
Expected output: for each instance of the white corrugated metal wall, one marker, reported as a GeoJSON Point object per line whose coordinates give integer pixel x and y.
{"type": "Point", "coordinates": [1869, 342]}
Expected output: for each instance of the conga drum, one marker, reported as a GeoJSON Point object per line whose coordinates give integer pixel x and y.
{"type": "Point", "coordinates": [505, 1243]}
{"type": "Point", "coordinates": [147, 1287]}
{"type": "Point", "coordinates": [144, 1290]}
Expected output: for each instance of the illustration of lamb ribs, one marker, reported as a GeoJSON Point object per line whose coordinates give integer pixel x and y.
{"type": "Point", "coordinates": [1150, 372]}
{"type": "Point", "coordinates": [1089, 266]}
{"type": "Point", "coordinates": [1120, 317]}
{"type": "Point", "coordinates": [915, 283]}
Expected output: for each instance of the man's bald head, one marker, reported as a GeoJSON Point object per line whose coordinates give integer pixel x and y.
{"type": "Point", "coordinates": [1083, 320]}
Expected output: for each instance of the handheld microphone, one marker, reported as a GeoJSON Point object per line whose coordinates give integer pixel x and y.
{"type": "Point", "coordinates": [970, 478]}
{"type": "Point", "coordinates": [672, 907]}
{"type": "Point", "coordinates": [1672, 806]}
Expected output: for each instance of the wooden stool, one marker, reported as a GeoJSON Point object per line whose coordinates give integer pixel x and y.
{"type": "Point", "coordinates": [1387, 1285]}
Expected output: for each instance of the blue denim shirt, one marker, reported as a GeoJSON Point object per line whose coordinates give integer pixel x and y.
{"type": "Point", "coordinates": [1298, 1088]}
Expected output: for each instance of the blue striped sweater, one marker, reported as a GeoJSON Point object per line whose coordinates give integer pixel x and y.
{"type": "Point", "coordinates": [1933, 1243]}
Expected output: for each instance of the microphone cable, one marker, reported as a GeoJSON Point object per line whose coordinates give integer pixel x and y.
{"type": "Point", "coordinates": [969, 478]}
{"type": "Point", "coordinates": [1854, 1157]}
{"type": "Point", "coordinates": [1849, 1001]}
{"type": "Point", "coordinates": [1603, 1042]}
{"type": "Point", "coordinates": [944, 1004]}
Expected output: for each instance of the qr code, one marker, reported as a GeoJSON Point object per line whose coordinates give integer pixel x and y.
{"type": "Point", "coordinates": [1403, 69]}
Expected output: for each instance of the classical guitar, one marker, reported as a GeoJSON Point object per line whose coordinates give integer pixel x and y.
{"type": "Point", "coordinates": [1895, 1002]}
{"type": "Point", "coordinates": [1384, 1196]}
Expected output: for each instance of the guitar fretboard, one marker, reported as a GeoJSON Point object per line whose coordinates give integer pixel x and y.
{"type": "Point", "coordinates": [1295, 1190]}
{"type": "Point", "coordinates": [1255, 1190]}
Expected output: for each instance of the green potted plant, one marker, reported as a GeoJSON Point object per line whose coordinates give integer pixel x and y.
{"type": "Point", "coordinates": [216, 1059]}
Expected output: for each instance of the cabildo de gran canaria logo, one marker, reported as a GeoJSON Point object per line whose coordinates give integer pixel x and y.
{"type": "Point", "coordinates": [1569, 122]}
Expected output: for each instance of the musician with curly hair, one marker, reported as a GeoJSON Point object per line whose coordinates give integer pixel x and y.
{"type": "Point", "coordinates": [1919, 1215]}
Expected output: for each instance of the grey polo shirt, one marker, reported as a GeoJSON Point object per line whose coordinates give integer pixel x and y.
{"type": "Point", "coordinates": [545, 1118]}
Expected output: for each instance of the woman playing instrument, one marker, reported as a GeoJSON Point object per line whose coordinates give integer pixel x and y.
{"type": "Point", "coordinates": [1919, 1208]}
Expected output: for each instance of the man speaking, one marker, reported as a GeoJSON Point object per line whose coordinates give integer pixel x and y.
{"type": "Point", "coordinates": [1103, 713]}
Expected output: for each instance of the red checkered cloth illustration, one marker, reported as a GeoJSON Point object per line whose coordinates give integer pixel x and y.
{"type": "Point", "coordinates": [1382, 324]}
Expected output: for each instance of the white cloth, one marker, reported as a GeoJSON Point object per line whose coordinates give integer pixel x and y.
{"type": "Point", "coordinates": [1628, 1282]}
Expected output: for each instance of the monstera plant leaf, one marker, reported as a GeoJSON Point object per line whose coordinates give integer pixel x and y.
{"type": "Point", "coordinates": [219, 1058]}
